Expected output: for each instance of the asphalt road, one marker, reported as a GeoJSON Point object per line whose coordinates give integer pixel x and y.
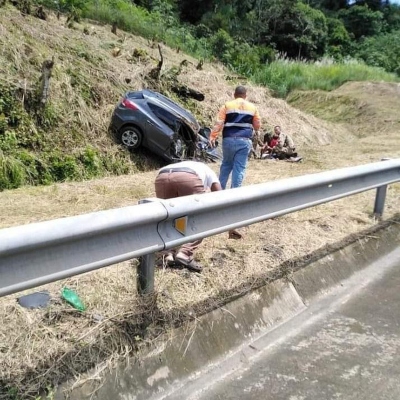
{"type": "Point", "coordinates": [345, 345]}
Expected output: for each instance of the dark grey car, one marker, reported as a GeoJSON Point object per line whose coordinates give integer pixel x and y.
{"type": "Point", "coordinates": [149, 119]}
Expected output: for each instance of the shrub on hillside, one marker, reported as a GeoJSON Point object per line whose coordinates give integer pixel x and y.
{"type": "Point", "coordinates": [382, 51]}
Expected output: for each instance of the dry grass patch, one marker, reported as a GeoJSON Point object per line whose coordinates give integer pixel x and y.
{"type": "Point", "coordinates": [366, 107]}
{"type": "Point", "coordinates": [43, 347]}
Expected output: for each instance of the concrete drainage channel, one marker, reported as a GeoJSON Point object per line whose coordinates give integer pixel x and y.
{"type": "Point", "coordinates": [175, 361]}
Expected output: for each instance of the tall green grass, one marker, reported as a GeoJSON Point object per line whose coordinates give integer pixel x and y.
{"type": "Point", "coordinates": [151, 25]}
{"type": "Point", "coordinates": [127, 16]}
{"type": "Point", "coordinates": [12, 172]}
{"type": "Point", "coordinates": [283, 76]}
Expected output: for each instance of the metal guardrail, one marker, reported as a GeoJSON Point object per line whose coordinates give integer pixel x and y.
{"type": "Point", "coordinates": [39, 253]}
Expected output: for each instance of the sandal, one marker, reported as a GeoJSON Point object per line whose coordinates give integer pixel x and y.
{"type": "Point", "coordinates": [234, 234]}
{"type": "Point", "coordinates": [169, 260]}
{"type": "Point", "coordinates": [189, 264]}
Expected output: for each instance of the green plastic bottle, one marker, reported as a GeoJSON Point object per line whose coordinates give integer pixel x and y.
{"type": "Point", "coordinates": [72, 298]}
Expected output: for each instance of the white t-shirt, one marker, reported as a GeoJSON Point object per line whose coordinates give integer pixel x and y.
{"type": "Point", "coordinates": [203, 171]}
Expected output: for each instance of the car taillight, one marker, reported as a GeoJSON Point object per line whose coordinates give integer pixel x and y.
{"type": "Point", "coordinates": [129, 104]}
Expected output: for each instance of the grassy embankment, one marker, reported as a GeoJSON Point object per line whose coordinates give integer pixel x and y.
{"type": "Point", "coordinates": [67, 139]}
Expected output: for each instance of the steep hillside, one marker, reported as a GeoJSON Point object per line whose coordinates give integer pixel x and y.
{"type": "Point", "coordinates": [68, 140]}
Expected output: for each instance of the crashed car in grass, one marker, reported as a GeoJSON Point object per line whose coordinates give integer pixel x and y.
{"type": "Point", "coordinates": [149, 119]}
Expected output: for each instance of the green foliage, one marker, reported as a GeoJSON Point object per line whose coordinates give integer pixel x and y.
{"type": "Point", "coordinates": [221, 45]}
{"type": "Point", "coordinates": [362, 21]}
{"type": "Point", "coordinates": [164, 11]}
{"type": "Point", "coordinates": [91, 162]}
{"type": "Point", "coordinates": [202, 30]}
{"type": "Point", "coordinates": [283, 76]}
{"type": "Point", "coordinates": [13, 393]}
{"type": "Point", "coordinates": [312, 31]}
{"type": "Point", "coordinates": [372, 4]}
{"type": "Point", "coordinates": [64, 5]}
{"type": "Point", "coordinates": [36, 167]}
{"type": "Point", "coordinates": [16, 125]}
{"type": "Point", "coordinates": [293, 27]}
{"type": "Point", "coordinates": [382, 51]}
{"type": "Point", "coordinates": [329, 5]}
{"type": "Point", "coordinates": [245, 59]}
{"type": "Point", "coordinates": [46, 117]}
{"type": "Point", "coordinates": [338, 38]}
{"type": "Point", "coordinates": [391, 15]}
{"type": "Point", "coordinates": [8, 139]}
{"type": "Point", "coordinates": [127, 16]}
{"type": "Point", "coordinates": [221, 19]}
{"type": "Point", "coordinates": [22, 167]}
{"type": "Point", "coordinates": [30, 153]}
{"type": "Point", "coordinates": [115, 164]}
{"type": "Point", "coordinates": [240, 56]}
{"type": "Point", "coordinates": [64, 167]}
{"type": "Point", "coordinates": [12, 172]}
{"type": "Point", "coordinates": [299, 29]}
{"type": "Point", "coordinates": [79, 83]}
{"type": "Point", "coordinates": [193, 11]}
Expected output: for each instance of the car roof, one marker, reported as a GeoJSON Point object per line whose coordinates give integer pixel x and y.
{"type": "Point", "coordinates": [167, 103]}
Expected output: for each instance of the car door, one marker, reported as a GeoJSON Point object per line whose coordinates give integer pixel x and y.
{"type": "Point", "coordinates": [160, 130]}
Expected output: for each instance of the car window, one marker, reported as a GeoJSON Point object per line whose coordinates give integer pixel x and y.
{"type": "Point", "coordinates": [163, 99]}
{"type": "Point", "coordinates": [165, 116]}
{"type": "Point", "coordinates": [135, 95]}
{"type": "Point", "coordinates": [168, 103]}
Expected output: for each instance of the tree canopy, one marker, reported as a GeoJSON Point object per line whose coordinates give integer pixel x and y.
{"type": "Point", "coordinates": [248, 33]}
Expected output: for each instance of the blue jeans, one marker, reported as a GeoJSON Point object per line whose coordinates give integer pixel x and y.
{"type": "Point", "coordinates": [235, 153]}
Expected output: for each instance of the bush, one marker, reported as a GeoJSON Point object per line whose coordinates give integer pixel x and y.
{"type": "Point", "coordinates": [64, 167]}
{"type": "Point", "coordinates": [12, 172]}
{"type": "Point", "coordinates": [338, 38]}
{"type": "Point", "coordinates": [361, 21]}
{"type": "Point", "coordinates": [382, 51]}
{"type": "Point", "coordinates": [222, 45]}
{"type": "Point", "coordinates": [17, 127]}
{"type": "Point", "coordinates": [91, 163]}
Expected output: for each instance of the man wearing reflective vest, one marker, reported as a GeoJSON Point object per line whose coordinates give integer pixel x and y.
{"type": "Point", "coordinates": [236, 119]}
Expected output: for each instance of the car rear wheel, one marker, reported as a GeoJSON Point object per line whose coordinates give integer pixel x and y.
{"type": "Point", "coordinates": [130, 137]}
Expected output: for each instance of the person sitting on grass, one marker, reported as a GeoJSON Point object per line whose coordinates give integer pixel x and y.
{"type": "Point", "coordinates": [279, 146]}
{"type": "Point", "coordinates": [270, 141]}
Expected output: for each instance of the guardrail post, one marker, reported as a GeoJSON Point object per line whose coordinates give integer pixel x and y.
{"type": "Point", "coordinates": [145, 269]}
{"type": "Point", "coordinates": [145, 274]}
{"type": "Point", "coordinates": [380, 200]}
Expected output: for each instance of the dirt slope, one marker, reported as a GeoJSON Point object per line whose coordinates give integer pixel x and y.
{"type": "Point", "coordinates": [39, 349]}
